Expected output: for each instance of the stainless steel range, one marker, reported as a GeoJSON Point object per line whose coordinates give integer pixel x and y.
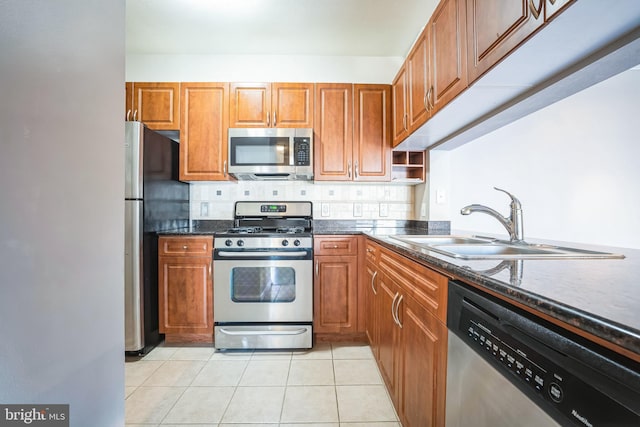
{"type": "Point", "coordinates": [263, 275]}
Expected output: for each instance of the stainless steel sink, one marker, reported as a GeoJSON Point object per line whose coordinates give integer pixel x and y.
{"type": "Point", "coordinates": [464, 247]}
{"type": "Point", "coordinates": [439, 240]}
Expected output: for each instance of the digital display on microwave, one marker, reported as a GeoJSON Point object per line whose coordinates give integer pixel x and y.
{"type": "Point", "coordinates": [260, 151]}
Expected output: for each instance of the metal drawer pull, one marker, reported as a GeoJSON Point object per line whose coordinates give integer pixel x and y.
{"type": "Point", "coordinates": [185, 247]}
{"type": "Point", "coordinates": [299, 331]}
{"type": "Point", "coordinates": [393, 308]}
{"type": "Point", "coordinates": [397, 308]}
{"type": "Point", "coordinates": [373, 278]}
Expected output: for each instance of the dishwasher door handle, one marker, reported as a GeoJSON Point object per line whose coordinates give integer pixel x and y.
{"type": "Point", "coordinates": [297, 331]}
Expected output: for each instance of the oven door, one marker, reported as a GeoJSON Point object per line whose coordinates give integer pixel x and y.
{"type": "Point", "coordinates": [263, 286]}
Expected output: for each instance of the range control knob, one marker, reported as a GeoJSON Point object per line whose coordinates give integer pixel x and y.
{"type": "Point", "coordinates": [228, 242]}
{"type": "Point", "coordinates": [285, 242]}
{"type": "Point", "coordinates": [296, 242]}
{"type": "Point", "coordinates": [240, 243]}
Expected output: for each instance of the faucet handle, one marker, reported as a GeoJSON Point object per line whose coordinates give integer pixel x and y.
{"type": "Point", "coordinates": [514, 200]}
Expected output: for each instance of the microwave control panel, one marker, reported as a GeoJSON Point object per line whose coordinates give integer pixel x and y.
{"type": "Point", "coordinates": [302, 151]}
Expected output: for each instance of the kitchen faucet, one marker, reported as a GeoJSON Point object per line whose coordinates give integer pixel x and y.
{"type": "Point", "coordinates": [513, 224]}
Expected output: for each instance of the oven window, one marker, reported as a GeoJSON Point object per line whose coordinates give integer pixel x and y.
{"type": "Point", "coordinates": [263, 284]}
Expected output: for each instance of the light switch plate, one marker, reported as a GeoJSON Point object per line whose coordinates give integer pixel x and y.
{"type": "Point", "coordinates": [384, 209]}
{"type": "Point", "coordinates": [324, 209]}
{"type": "Point", "coordinates": [204, 208]}
{"type": "Point", "coordinates": [357, 209]}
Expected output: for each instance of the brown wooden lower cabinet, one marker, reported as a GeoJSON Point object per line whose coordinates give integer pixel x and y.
{"type": "Point", "coordinates": [185, 288]}
{"type": "Point", "coordinates": [335, 285]}
{"type": "Point", "coordinates": [408, 337]}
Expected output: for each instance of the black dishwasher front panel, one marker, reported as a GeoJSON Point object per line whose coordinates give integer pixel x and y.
{"type": "Point", "coordinates": [572, 383]}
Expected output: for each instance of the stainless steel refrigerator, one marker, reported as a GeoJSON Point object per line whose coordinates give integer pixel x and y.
{"type": "Point", "coordinates": [154, 201]}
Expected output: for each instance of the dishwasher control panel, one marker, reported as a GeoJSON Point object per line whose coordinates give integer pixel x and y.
{"type": "Point", "coordinates": [536, 361]}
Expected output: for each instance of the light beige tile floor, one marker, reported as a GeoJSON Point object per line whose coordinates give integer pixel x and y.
{"type": "Point", "coordinates": [332, 385]}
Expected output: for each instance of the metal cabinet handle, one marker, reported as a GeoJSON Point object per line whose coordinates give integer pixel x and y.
{"type": "Point", "coordinates": [536, 11]}
{"type": "Point", "coordinates": [356, 170]}
{"type": "Point", "coordinates": [373, 278]}
{"type": "Point", "coordinates": [404, 121]}
{"type": "Point", "coordinates": [210, 266]}
{"type": "Point", "coordinates": [397, 308]}
{"type": "Point", "coordinates": [316, 268]}
{"type": "Point", "coordinates": [274, 118]}
{"type": "Point", "coordinates": [393, 308]}
{"type": "Point", "coordinates": [185, 247]}
{"type": "Point", "coordinates": [430, 96]}
{"type": "Point", "coordinates": [349, 168]}
{"type": "Point", "coordinates": [268, 119]}
{"type": "Point", "coordinates": [128, 114]}
{"type": "Point", "coordinates": [135, 114]}
{"type": "Point", "coordinates": [224, 168]}
{"type": "Point", "coordinates": [425, 100]}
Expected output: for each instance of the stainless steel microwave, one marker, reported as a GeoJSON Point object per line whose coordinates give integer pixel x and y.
{"type": "Point", "coordinates": [271, 153]}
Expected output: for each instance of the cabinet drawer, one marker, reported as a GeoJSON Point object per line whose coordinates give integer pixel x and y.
{"type": "Point", "coordinates": [185, 245]}
{"type": "Point", "coordinates": [426, 286]}
{"type": "Point", "coordinates": [335, 245]}
{"type": "Point", "coordinates": [372, 252]}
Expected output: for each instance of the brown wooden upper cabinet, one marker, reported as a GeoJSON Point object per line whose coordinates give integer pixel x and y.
{"type": "Point", "coordinates": [371, 132]}
{"type": "Point", "coordinates": [447, 31]}
{"type": "Point", "coordinates": [155, 104]}
{"type": "Point", "coordinates": [399, 106]}
{"type": "Point", "coordinates": [352, 133]}
{"type": "Point", "coordinates": [497, 27]}
{"type": "Point", "coordinates": [287, 105]}
{"type": "Point", "coordinates": [435, 71]}
{"type": "Point", "coordinates": [203, 133]}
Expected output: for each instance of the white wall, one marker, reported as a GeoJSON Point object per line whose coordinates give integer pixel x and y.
{"type": "Point", "coordinates": [268, 68]}
{"type": "Point", "coordinates": [61, 209]}
{"type": "Point", "coordinates": [573, 165]}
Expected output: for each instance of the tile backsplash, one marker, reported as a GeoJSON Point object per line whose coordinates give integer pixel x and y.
{"type": "Point", "coordinates": [213, 200]}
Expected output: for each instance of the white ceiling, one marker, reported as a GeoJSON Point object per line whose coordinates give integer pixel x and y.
{"type": "Point", "coordinates": [275, 27]}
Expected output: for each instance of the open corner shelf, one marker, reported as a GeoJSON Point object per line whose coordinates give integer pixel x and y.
{"type": "Point", "coordinates": [408, 166]}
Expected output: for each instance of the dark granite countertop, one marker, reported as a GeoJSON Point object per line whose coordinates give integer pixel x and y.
{"type": "Point", "coordinates": [599, 296]}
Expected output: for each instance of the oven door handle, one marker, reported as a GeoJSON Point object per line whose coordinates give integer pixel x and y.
{"type": "Point", "coordinates": [264, 254]}
{"type": "Point", "coordinates": [298, 331]}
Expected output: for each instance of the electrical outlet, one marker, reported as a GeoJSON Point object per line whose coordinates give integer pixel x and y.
{"type": "Point", "coordinates": [357, 209]}
{"type": "Point", "coordinates": [325, 209]}
{"type": "Point", "coordinates": [204, 208]}
{"type": "Point", "coordinates": [423, 211]}
{"type": "Point", "coordinates": [384, 209]}
{"type": "Point", "coordinates": [441, 196]}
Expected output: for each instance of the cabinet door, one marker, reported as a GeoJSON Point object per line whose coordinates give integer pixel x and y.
{"type": "Point", "coordinates": [448, 51]}
{"type": "Point", "coordinates": [371, 133]}
{"type": "Point", "coordinates": [496, 27]}
{"type": "Point", "coordinates": [250, 105]}
{"type": "Point", "coordinates": [399, 106]}
{"type": "Point", "coordinates": [336, 294]}
{"type": "Point", "coordinates": [371, 301]}
{"type": "Point", "coordinates": [185, 295]}
{"type": "Point", "coordinates": [333, 132]}
{"type": "Point", "coordinates": [157, 105]}
{"type": "Point", "coordinates": [292, 105]}
{"type": "Point", "coordinates": [422, 366]}
{"type": "Point", "coordinates": [388, 336]}
{"type": "Point", "coordinates": [203, 134]}
{"type": "Point", "coordinates": [418, 63]}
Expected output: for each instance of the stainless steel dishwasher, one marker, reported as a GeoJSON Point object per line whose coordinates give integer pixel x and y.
{"type": "Point", "coordinates": [506, 367]}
